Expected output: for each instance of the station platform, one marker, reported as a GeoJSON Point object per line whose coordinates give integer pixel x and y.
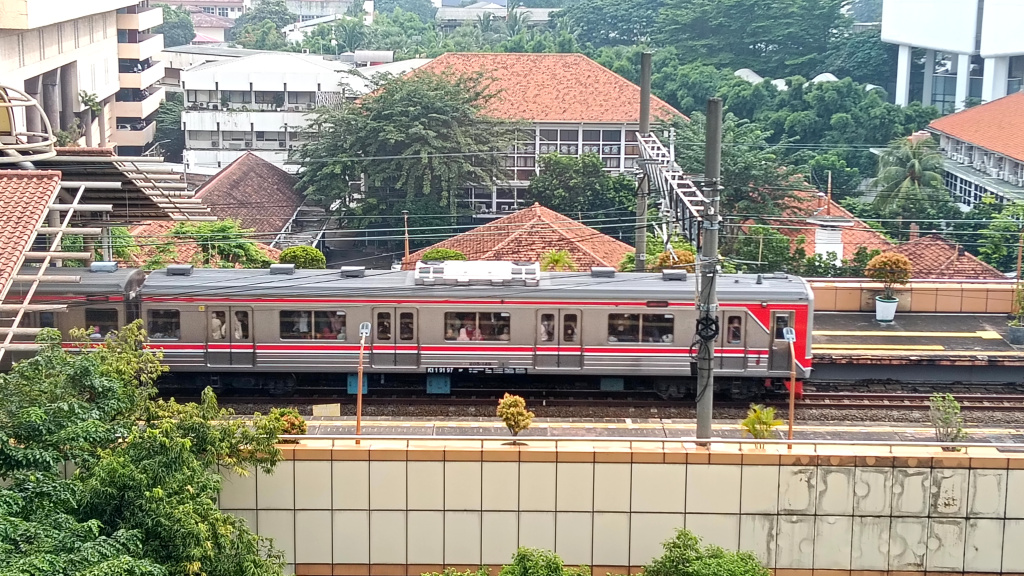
{"type": "Point", "coordinates": [973, 346]}
{"type": "Point", "coordinates": [645, 428]}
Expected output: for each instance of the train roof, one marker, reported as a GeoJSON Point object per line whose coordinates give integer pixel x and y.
{"type": "Point", "coordinates": [231, 283]}
{"type": "Point", "coordinates": [92, 282]}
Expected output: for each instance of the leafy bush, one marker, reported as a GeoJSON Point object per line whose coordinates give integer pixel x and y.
{"type": "Point", "coordinates": [442, 254]}
{"type": "Point", "coordinates": [944, 414]}
{"type": "Point", "coordinates": [890, 269]}
{"type": "Point", "coordinates": [557, 261]}
{"type": "Point", "coordinates": [291, 422]}
{"type": "Point", "coordinates": [667, 260]}
{"type": "Point", "coordinates": [304, 257]}
{"type": "Point", "coordinates": [512, 411]}
{"type": "Point", "coordinates": [537, 562]}
{"type": "Point", "coordinates": [760, 422]}
{"type": "Point", "coordinates": [684, 556]}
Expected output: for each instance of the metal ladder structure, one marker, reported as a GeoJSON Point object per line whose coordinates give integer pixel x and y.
{"type": "Point", "coordinates": [682, 203]}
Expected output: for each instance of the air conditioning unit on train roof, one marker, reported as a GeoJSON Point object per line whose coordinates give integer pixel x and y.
{"type": "Point", "coordinates": [464, 273]}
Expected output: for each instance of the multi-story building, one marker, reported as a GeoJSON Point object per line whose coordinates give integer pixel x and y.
{"type": "Point", "coordinates": [971, 48]}
{"type": "Point", "coordinates": [569, 104]}
{"type": "Point", "coordinates": [310, 9]}
{"type": "Point", "coordinates": [226, 8]}
{"type": "Point", "coordinates": [258, 103]}
{"type": "Point", "coordinates": [89, 64]}
{"type": "Point", "coordinates": [984, 151]}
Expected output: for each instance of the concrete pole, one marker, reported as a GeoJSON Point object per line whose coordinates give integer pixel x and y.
{"type": "Point", "coordinates": [51, 97]}
{"type": "Point", "coordinates": [963, 79]}
{"type": "Point", "coordinates": [33, 123]}
{"type": "Point", "coordinates": [68, 83]}
{"type": "Point", "coordinates": [103, 122]}
{"type": "Point", "coordinates": [997, 73]}
{"type": "Point", "coordinates": [640, 232]}
{"type": "Point", "coordinates": [929, 77]}
{"type": "Point", "coordinates": [707, 324]}
{"type": "Point", "coordinates": [903, 75]}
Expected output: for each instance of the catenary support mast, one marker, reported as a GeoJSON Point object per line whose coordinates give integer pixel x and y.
{"type": "Point", "coordinates": [640, 231]}
{"type": "Point", "coordinates": [707, 306]}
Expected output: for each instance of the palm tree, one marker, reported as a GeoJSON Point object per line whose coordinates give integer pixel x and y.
{"type": "Point", "coordinates": [909, 168]}
{"type": "Point", "coordinates": [557, 261]}
{"type": "Point", "coordinates": [486, 22]}
{"type": "Point", "coordinates": [516, 20]}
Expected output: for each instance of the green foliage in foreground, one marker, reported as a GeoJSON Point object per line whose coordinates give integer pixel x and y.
{"type": "Point", "coordinates": [684, 556]}
{"type": "Point", "coordinates": [100, 479]}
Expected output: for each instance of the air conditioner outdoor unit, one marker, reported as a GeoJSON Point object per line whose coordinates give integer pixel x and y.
{"type": "Point", "coordinates": [248, 144]}
{"type": "Point", "coordinates": [214, 106]}
{"type": "Point", "coordinates": [215, 144]}
{"type": "Point", "coordinates": [280, 144]}
{"type": "Point", "coordinates": [310, 105]}
{"type": "Point", "coordinates": [201, 104]}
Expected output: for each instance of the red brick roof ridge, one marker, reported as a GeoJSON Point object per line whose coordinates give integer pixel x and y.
{"type": "Point", "coordinates": [542, 214]}
{"type": "Point", "coordinates": [932, 246]}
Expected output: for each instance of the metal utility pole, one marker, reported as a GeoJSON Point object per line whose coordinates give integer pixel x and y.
{"type": "Point", "coordinates": [640, 232]}
{"type": "Point", "coordinates": [707, 306]}
{"type": "Point", "coordinates": [405, 217]}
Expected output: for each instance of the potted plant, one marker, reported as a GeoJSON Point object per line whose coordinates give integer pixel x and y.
{"type": "Point", "coordinates": [1016, 331]}
{"type": "Point", "coordinates": [890, 269]}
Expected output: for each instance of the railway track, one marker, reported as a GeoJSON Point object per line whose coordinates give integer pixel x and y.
{"type": "Point", "coordinates": [991, 402]}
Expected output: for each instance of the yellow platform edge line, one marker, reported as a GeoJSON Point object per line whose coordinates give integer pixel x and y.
{"type": "Point", "coordinates": [875, 347]}
{"type": "Point", "coordinates": [983, 334]}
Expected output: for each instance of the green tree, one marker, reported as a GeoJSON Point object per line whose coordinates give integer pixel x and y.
{"type": "Point", "coordinates": [306, 257]}
{"type": "Point", "coordinates": [262, 10]}
{"type": "Point", "coordinates": [845, 180]}
{"type": "Point", "coordinates": [222, 243]}
{"type": "Point", "coordinates": [576, 184]}
{"type": "Point", "coordinates": [168, 127]}
{"type": "Point", "coordinates": [143, 497]}
{"type": "Point", "coordinates": [557, 261]}
{"type": "Point", "coordinates": [944, 414]}
{"type": "Point", "coordinates": [263, 35]}
{"type": "Point", "coordinates": [998, 247]}
{"type": "Point", "coordinates": [512, 411]}
{"type": "Point", "coordinates": [763, 249]}
{"type": "Point", "coordinates": [866, 10]}
{"type": "Point", "coordinates": [774, 37]}
{"type": "Point", "coordinates": [418, 140]}
{"type": "Point", "coordinates": [684, 556]}
{"type": "Point", "coordinates": [537, 562]}
{"type": "Point", "coordinates": [442, 254]}
{"type": "Point", "coordinates": [423, 9]}
{"type": "Point", "coordinates": [177, 26]}
{"type": "Point", "coordinates": [862, 56]}
{"type": "Point", "coordinates": [607, 22]}
{"type": "Point", "coordinates": [909, 169]}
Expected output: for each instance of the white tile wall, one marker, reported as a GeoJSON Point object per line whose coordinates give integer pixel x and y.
{"type": "Point", "coordinates": [797, 489]}
{"type": "Point", "coordinates": [835, 490]}
{"type": "Point", "coordinates": [575, 491]}
{"type": "Point", "coordinates": [795, 542]}
{"type": "Point", "coordinates": [237, 492]}
{"type": "Point", "coordinates": [718, 529]}
{"type": "Point", "coordinates": [911, 491]}
{"type": "Point", "coordinates": [758, 536]}
{"type": "Point", "coordinates": [277, 490]}
{"type": "Point", "coordinates": [872, 492]}
{"type": "Point", "coordinates": [352, 536]}
{"type": "Point", "coordinates": [426, 542]}
{"type": "Point", "coordinates": [1013, 551]}
{"type": "Point", "coordinates": [949, 492]}
{"type": "Point", "coordinates": [500, 486]}
{"type": "Point", "coordinates": [647, 532]}
{"type": "Point", "coordinates": [908, 539]}
{"type": "Point", "coordinates": [1015, 494]}
{"type": "Point", "coordinates": [249, 516]}
{"type": "Point", "coordinates": [946, 544]}
{"type": "Point", "coordinates": [313, 541]}
{"type": "Point", "coordinates": [984, 545]}
{"type": "Point", "coordinates": [279, 525]}
{"type": "Point", "coordinates": [870, 547]}
{"type": "Point", "coordinates": [659, 488]}
{"type": "Point", "coordinates": [713, 488]}
{"type": "Point", "coordinates": [387, 536]}
{"type": "Point", "coordinates": [574, 537]}
{"type": "Point", "coordinates": [462, 490]}
{"type": "Point", "coordinates": [832, 542]}
{"type": "Point", "coordinates": [537, 530]}
{"type": "Point", "coordinates": [537, 486]}
{"type": "Point", "coordinates": [350, 483]}
{"type": "Point", "coordinates": [760, 490]}
{"type": "Point", "coordinates": [462, 538]}
{"type": "Point", "coordinates": [312, 485]}
{"type": "Point", "coordinates": [387, 485]}
{"type": "Point", "coordinates": [987, 494]}
{"type": "Point", "coordinates": [499, 537]}
{"type": "Point", "coordinates": [611, 539]}
{"type": "Point", "coordinates": [612, 487]}
{"type": "Point", "coordinates": [426, 486]}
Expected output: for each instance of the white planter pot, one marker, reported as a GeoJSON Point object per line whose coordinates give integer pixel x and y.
{"type": "Point", "coordinates": [885, 310]}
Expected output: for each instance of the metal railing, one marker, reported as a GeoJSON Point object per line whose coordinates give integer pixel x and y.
{"type": "Point", "coordinates": [688, 442]}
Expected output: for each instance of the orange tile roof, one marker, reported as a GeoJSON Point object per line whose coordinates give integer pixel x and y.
{"type": "Point", "coordinates": [997, 126]}
{"type": "Point", "coordinates": [151, 234]}
{"type": "Point", "coordinates": [552, 87]}
{"type": "Point", "coordinates": [805, 204]}
{"type": "Point", "coordinates": [935, 257]}
{"type": "Point", "coordinates": [255, 192]}
{"type": "Point", "coordinates": [24, 198]}
{"type": "Point", "coordinates": [530, 233]}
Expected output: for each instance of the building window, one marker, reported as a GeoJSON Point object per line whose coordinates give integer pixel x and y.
{"type": "Point", "coordinates": [222, 12]}
{"type": "Point", "coordinates": [208, 9]}
{"type": "Point", "coordinates": [164, 324]}
{"type": "Point", "coordinates": [477, 326]}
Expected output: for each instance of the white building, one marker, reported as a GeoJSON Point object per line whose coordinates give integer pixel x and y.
{"type": "Point", "coordinates": [260, 103]}
{"type": "Point", "coordinates": [972, 48]}
{"type": "Point", "coordinates": [226, 8]}
{"type": "Point", "coordinates": [59, 49]}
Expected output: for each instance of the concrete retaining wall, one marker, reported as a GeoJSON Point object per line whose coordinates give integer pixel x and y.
{"type": "Point", "coordinates": [385, 508]}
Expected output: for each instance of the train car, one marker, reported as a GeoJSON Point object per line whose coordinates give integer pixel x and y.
{"type": "Point", "coordinates": [460, 322]}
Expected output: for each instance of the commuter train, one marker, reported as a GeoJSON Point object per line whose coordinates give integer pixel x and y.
{"type": "Point", "coordinates": [445, 324]}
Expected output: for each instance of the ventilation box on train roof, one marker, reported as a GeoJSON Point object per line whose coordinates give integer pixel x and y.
{"type": "Point", "coordinates": [459, 272]}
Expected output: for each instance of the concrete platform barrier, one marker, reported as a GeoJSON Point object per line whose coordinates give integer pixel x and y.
{"type": "Point", "coordinates": [400, 505]}
{"type": "Point", "coordinates": [967, 297]}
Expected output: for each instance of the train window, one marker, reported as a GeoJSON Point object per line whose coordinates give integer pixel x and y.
{"type": "Point", "coordinates": [781, 323]}
{"type": "Point", "coordinates": [47, 320]}
{"type": "Point", "coordinates": [569, 333]}
{"type": "Point", "coordinates": [658, 328]}
{"type": "Point", "coordinates": [296, 324]}
{"type": "Point", "coordinates": [101, 321]}
{"type": "Point", "coordinates": [405, 326]}
{"type": "Point", "coordinates": [164, 324]}
{"type": "Point", "coordinates": [652, 328]}
{"type": "Point", "coordinates": [218, 325]}
{"type": "Point", "coordinates": [329, 325]}
{"type": "Point", "coordinates": [734, 330]}
{"type": "Point", "coordinates": [546, 330]}
{"type": "Point", "coordinates": [477, 326]}
{"type": "Point", "coordinates": [383, 326]}
{"type": "Point", "coordinates": [623, 327]}
{"type": "Point", "coordinates": [240, 325]}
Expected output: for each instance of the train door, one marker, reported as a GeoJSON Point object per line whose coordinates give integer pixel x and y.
{"type": "Point", "coordinates": [394, 341]}
{"type": "Point", "coordinates": [732, 347]}
{"type": "Point", "coordinates": [779, 359]}
{"type": "Point", "coordinates": [559, 339]}
{"type": "Point", "coordinates": [229, 336]}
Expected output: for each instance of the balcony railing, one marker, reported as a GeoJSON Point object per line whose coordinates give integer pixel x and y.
{"type": "Point", "coordinates": [142, 19]}
{"type": "Point", "coordinates": [141, 108]}
{"type": "Point", "coordinates": [135, 134]}
{"type": "Point", "coordinates": [148, 46]}
{"type": "Point", "coordinates": [143, 79]}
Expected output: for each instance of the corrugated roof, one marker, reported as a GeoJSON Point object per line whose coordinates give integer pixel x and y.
{"type": "Point", "coordinates": [552, 87]}
{"type": "Point", "coordinates": [997, 126]}
{"type": "Point", "coordinates": [25, 196]}
{"type": "Point", "coordinates": [529, 234]}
